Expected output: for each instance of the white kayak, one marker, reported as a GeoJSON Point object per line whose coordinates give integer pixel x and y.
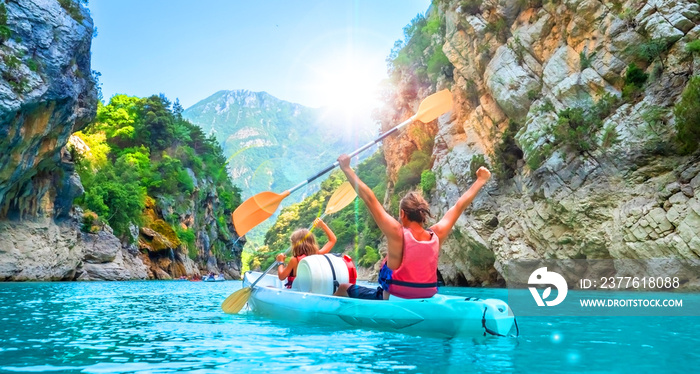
{"type": "Point", "coordinates": [440, 315]}
{"type": "Point", "coordinates": [215, 278]}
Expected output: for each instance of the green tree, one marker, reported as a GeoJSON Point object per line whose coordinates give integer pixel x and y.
{"type": "Point", "coordinates": [116, 195]}
{"type": "Point", "coordinates": [507, 152]}
{"type": "Point", "coordinates": [409, 175]}
{"type": "Point", "coordinates": [427, 181]}
{"type": "Point", "coordinates": [687, 113]}
{"type": "Point", "coordinates": [141, 150]}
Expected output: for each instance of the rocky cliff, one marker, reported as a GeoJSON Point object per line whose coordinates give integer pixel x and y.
{"type": "Point", "coordinates": [545, 94]}
{"type": "Point", "coordinates": [47, 93]}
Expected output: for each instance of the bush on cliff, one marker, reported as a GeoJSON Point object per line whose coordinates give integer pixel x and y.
{"type": "Point", "coordinates": [475, 163]}
{"type": "Point", "coordinates": [115, 195]}
{"type": "Point", "coordinates": [687, 113]}
{"type": "Point", "coordinates": [693, 47]}
{"type": "Point", "coordinates": [634, 81]}
{"type": "Point", "coordinates": [507, 153]}
{"type": "Point", "coordinates": [409, 175]}
{"type": "Point", "coordinates": [5, 31]}
{"type": "Point", "coordinates": [73, 8]}
{"type": "Point", "coordinates": [472, 7]}
{"type": "Point", "coordinates": [91, 223]}
{"type": "Point", "coordinates": [427, 181]}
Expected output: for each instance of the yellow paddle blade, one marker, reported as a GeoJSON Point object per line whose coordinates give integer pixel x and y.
{"type": "Point", "coordinates": [434, 106]}
{"type": "Point", "coordinates": [343, 196]}
{"type": "Point", "coordinates": [255, 210]}
{"type": "Point", "coordinates": [235, 302]}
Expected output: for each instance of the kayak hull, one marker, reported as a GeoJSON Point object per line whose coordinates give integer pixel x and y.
{"type": "Point", "coordinates": [440, 315]}
{"type": "Point", "coordinates": [213, 279]}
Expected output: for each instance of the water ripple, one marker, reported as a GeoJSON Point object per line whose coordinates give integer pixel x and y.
{"type": "Point", "coordinates": [159, 327]}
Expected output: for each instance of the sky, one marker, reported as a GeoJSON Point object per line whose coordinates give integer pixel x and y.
{"type": "Point", "coordinates": [315, 53]}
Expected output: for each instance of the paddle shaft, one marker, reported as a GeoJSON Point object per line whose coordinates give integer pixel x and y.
{"type": "Point", "coordinates": [354, 153]}
{"type": "Point", "coordinates": [285, 252]}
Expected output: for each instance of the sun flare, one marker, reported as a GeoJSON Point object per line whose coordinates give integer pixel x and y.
{"type": "Point", "coordinates": [350, 85]}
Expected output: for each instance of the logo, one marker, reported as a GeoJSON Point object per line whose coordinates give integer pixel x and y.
{"type": "Point", "coordinates": [543, 277]}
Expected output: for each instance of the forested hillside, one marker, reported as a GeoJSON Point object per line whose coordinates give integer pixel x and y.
{"type": "Point", "coordinates": [143, 165]}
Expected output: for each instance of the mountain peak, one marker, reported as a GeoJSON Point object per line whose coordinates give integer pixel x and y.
{"type": "Point", "coordinates": [225, 100]}
{"type": "Point", "coordinates": [270, 142]}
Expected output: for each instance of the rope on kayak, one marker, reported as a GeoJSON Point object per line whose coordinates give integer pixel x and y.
{"type": "Point", "coordinates": [486, 329]}
{"type": "Point", "coordinates": [494, 333]}
{"type": "Point", "coordinates": [335, 280]}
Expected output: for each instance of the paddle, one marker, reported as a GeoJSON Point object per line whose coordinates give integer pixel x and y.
{"type": "Point", "coordinates": [261, 206]}
{"type": "Point", "coordinates": [343, 196]}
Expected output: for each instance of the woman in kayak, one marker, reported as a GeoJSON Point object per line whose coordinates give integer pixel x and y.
{"type": "Point", "coordinates": [303, 244]}
{"type": "Point", "coordinates": [410, 268]}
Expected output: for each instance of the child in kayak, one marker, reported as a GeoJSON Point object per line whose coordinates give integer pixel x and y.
{"type": "Point", "coordinates": [410, 268]}
{"type": "Point", "coordinates": [303, 244]}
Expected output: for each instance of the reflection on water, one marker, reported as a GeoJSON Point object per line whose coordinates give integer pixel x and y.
{"type": "Point", "coordinates": [178, 326]}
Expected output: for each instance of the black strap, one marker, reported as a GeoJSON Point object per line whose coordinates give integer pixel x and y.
{"type": "Point", "coordinates": [411, 284]}
{"type": "Point", "coordinates": [488, 330]}
{"type": "Point", "coordinates": [483, 324]}
{"type": "Point", "coordinates": [293, 273]}
{"type": "Point", "coordinates": [335, 280]}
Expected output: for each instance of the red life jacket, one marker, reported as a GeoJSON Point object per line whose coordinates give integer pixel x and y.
{"type": "Point", "coordinates": [293, 273]}
{"type": "Point", "coordinates": [416, 278]}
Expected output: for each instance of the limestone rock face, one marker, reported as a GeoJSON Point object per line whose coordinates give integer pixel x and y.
{"type": "Point", "coordinates": [632, 199]}
{"type": "Point", "coordinates": [46, 93]}
{"type": "Point", "coordinates": [41, 249]}
{"type": "Point", "coordinates": [125, 266]}
{"type": "Point", "coordinates": [100, 248]}
{"type": "Point", "coordinates": [509, 81]}
{"type": "Point", "coordinates": [38, 250]}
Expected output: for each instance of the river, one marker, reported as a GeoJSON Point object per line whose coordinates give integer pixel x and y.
{"type": "Point", "coordinates": [167, 326]}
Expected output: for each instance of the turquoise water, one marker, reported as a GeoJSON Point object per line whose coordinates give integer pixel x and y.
{"type": "Point", "coordinates": [159, 326]}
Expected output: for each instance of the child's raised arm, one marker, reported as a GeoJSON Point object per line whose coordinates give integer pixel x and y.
{"type": "Point", "coordinates": [329, 233]}
{"type": "Point", "coordinates": [443, 228]}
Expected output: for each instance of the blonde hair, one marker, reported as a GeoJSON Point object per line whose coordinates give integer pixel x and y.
{"type": "Point", "coordinates": [415, 207]}
{"type": "Point", "coordinates": [303, 243]}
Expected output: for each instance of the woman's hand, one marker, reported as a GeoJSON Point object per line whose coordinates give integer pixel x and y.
{"type": "Point", "coordinates": [483, 174]}
{"type": "Point", "coordinates": [280, 257]}
{"type": "Point", "coordinates": [344, 162]}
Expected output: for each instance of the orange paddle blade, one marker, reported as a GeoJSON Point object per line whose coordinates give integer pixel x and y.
{"type": "Point", "coordinates": [255, 210]}
{"type": "Point", "coordinates": [434, 106]}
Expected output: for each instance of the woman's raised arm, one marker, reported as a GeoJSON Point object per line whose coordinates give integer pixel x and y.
{"type": "Point", "coordinates": [444, 226]}
{"type": "Point", "coordinates": [389, 226]}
